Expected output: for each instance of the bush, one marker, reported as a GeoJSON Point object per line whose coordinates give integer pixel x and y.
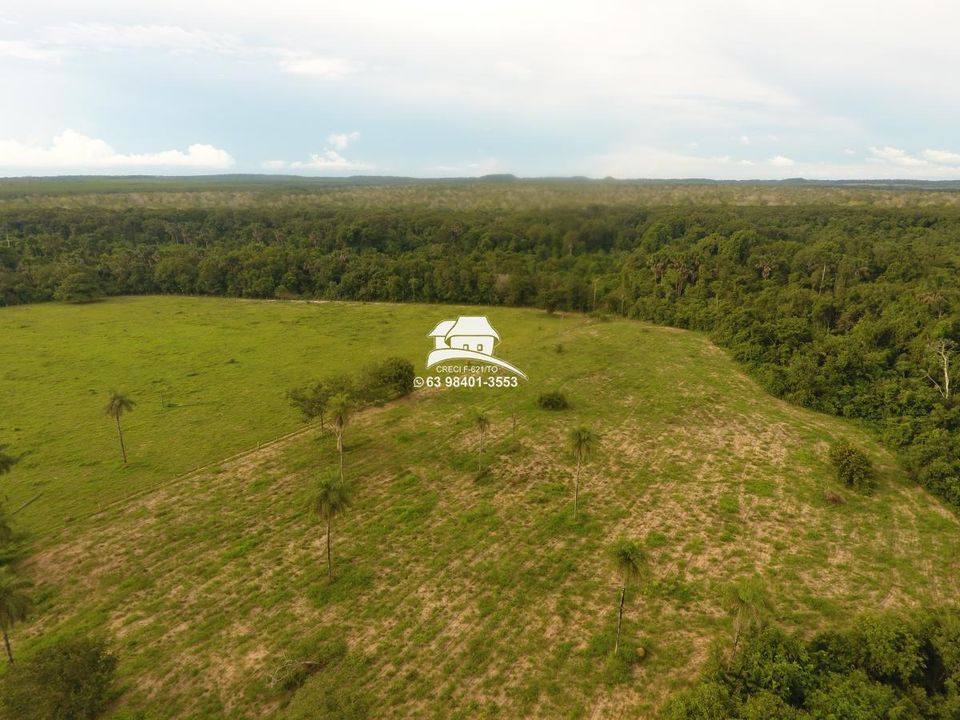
{"type": "Point", "coordinates": [553, 401]}
{"type": "Point", "coordinates": [79, 287]}
{"type": "Point", "coordinates": [852, 465]}
{"type": "Point", "coordinates": [69, 680]}
{"type": "Point", "coordinates": [387, 380]}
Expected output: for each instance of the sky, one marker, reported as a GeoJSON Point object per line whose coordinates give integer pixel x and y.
{"type": "Point", "coordinates": [725, 89]}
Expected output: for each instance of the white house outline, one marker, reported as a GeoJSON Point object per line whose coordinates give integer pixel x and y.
{"type": "Point", "coordinates": [469, 337]}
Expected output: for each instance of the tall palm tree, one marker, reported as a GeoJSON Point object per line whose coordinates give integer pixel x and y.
{"type": "Point", "coordinates": [118, 405]}
{"type": "Point", "coordinates": [482, 421]}
{"type": "Point", "coordinates": [339, 410]}
{"type": "Point", "coordinates": [332, 498]}
{"type": "Point", "coordinates": [14, 604]}
{"type": "Point", "coordinates": [582, 442]}
{"type": "Point", "coordinates": [747, 600]}
{"type": "Point", "coordinates": [630, 563]}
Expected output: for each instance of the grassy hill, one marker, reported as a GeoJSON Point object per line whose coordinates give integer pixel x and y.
{"type": "Point", "coordinates": [453, 595]}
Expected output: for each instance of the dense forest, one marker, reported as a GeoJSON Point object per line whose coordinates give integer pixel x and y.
{"type": "Point", "coordinates": [851, 310]}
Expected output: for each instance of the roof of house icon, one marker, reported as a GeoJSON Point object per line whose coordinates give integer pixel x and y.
{"type": "Point", "coordinates": [465, 325]}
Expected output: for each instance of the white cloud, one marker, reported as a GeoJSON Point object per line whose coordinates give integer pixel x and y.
{"type": "Point", "coordinates": [779, 161]}
{"type": "Point", "coordinates": [942, 156]}
{"type": "Point", "coordinates": [896, 156]}
{"type": "Point", "coordinates": [329, 159]}
{"type": "Point", "coordinates": [340, 141]}
{"type": "Point", "coordinates": [330, 68]}
{"type": "Point", "coordinates": [72, 151]}
{"type": "Point", "coordinates": [744, 139]}
{"type": "Point", "coordinates": [105, 36]}
{"type": "Point", "coordinates": [848, 151]}
{"type": "Point", "coordinates": [19, 50]}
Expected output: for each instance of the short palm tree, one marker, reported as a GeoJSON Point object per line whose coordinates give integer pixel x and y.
{"type": "Point", "coordinates": [747, 600]}
{"type": "Point", "coordinates": [582, 442]}
{"type": "Point", "coordinates": [332, 498]}
{"type": "Point", "coordinates": [6, 531]}
{"type": "Point", "coordinates": [14, 604]}
{"type": "Point", "coordinates": [482, 421]}
{"type": "Point", "coordinates": [339, 410]}
{"type": "Point", "coordinates": [630, 563]}
{"type": "Point", "coordinates": [6, 461]}
{"type": "Point", "coordinates": [118, 405]}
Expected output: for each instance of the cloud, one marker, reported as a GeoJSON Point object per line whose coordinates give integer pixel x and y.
{"type": "Point", "coordinates": [19, 50]}
{"type": "Point", "coordinates": [330, 68]}
{"type": "Point", "coordinates": [744, 139]}
{"type": "Point", "coordinates": [896, 156]}
{"type": "Point", "coordinates": [105, 36]}
{"type": "Point", "coordinates": [779, 161]}
{"type": "Point", "coordinates": [942, 156]}
{"type": "Point", "coordinates": [340, 141]}
{"type": "Point", "coordinates": [327, 160]}
{"type": "Point", "coordinates": [72, 151]}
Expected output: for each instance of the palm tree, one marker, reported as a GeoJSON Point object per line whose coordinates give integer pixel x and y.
{"type": "Point", "coordinates": [118, 405]}
{"type": "Point", "coordinates": [338, 407]}
{"type": "Point", "coordinates": [482, 421]}
{"type": "Point", "coordinates": [630, 562]}
{"type": "Point", "coordinates": [14, 604]}
{"type": "Point", "coordinates": [331, 500]}
{"type": "Point", "coordinates": [6, 461]}
{"type": "Point", "coordinates": [582, 442]}
{"type": "Point", "coordinates": [6, 531]}
{"type": "Point", "coordinates": [748, 602]}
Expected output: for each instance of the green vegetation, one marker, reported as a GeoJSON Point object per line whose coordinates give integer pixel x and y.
{"type": "Point", "coordinates": [115, 408]}
{"type": "Point", "coordinates": [482, 421]}
{"type": "Point", "coordinates": [582, 442]}
{"type": "Point", "coordinates": [852, 465]}
{"type": "Point", "coordinates": [842, 299]}
{"type": "Point", "coordinates": [211, 583]}
{"type": "Point", "coordinates": [553, 400]}
{"type": "Point", "coordinates": [332, 498]}
{"type": "Point", "coordinates": [478, 594]}
{"type": "Point", "coordinates": [69, 680]}
{"type": "Point", "coordinates": [630, 562]}
{"type": "Point", "coordinates": [884, 666]}
{"type": "Point", "coordinates": [192, 365]}
{"type": "Point", "coordinates": [14, 605]}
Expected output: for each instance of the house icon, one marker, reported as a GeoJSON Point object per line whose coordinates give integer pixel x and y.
{"type": "Point", "coordinates": [468, 332]}
{"type": "Point", "coordinates": [469, 337]}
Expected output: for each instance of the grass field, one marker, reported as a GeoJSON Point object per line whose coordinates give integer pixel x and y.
{"type": "Point", "coordinates": [454, 595]}
{"type": "Point", "coordinates": [221, 370]}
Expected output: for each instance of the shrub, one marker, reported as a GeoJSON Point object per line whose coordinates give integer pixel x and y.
{"type": "Point", "coordinates": [833, 497]}
{"type": "Point", "coordinates": [69, 680]}
{"type": "Point", "coordinates": [852, 465]}
{"type": "Point", "coordinates": [79, 287]}
{"type": "Point", "coordinates": [553, 401]}
{"type": "Point", "coordinates": [387, 380]}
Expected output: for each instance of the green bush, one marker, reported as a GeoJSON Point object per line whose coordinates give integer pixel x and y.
{"type": "Point", "coordinates": [79, 287]}
{"type": "Point", "coordinates": [852, 465]}
{"type": "Point", "coordinates": [387, 380]}
{"type": "Point", "coordinates": [886, 665]}
{"type": "Point", "coordinates": [69, 680]}
{"type": "Point", "coordinates": [553, 401]}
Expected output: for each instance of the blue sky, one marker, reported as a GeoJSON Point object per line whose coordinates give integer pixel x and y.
{"type": "Point", "coordinates": [688, 88]}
